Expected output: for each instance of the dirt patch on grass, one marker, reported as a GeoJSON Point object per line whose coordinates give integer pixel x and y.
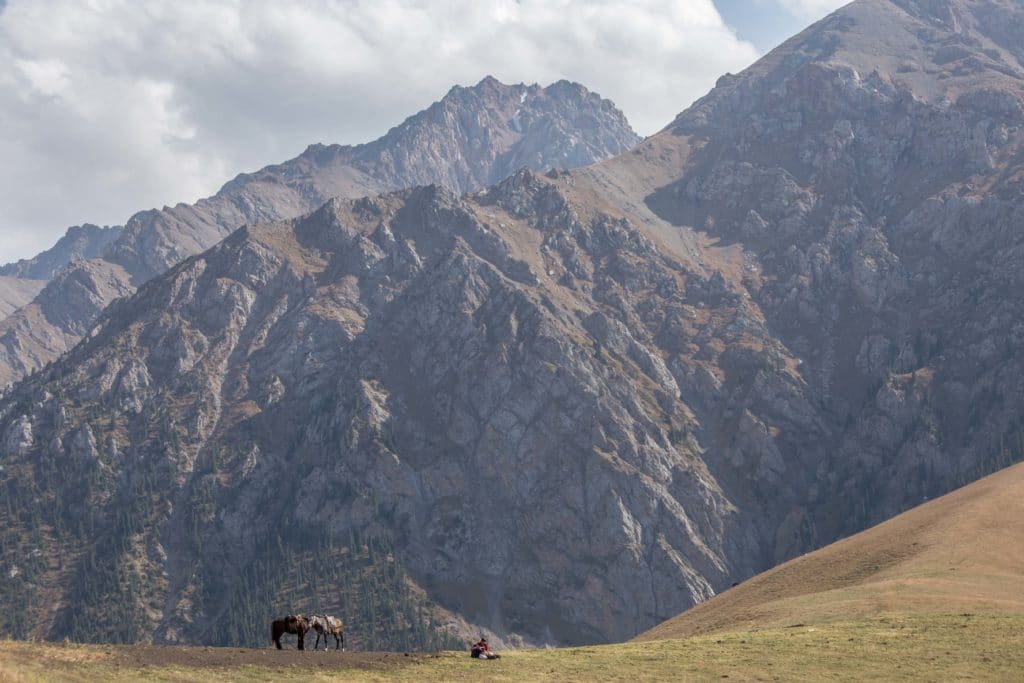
{"type": "Point", "coordinates": [46, 661]}
{"type": "Point", "coordinates": [159, 656]}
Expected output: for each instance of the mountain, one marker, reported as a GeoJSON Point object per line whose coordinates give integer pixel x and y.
{"type": "Point", "coordinates": [80, 242]}
{"type": "Point", "coordinates": [22, 280]}
{"type": "Point", "coordinates": [406, 366]}
{"type": "Point", "coordinates": [472, 137]}
{"type": "Point", "coordinates": [958, 554]}
{"type": "Point", "coordinates": [15, 292]}
{"type": "Point", "coordinates": [566, 407]}
{"type": "Point", "coordinates": [858, 190]}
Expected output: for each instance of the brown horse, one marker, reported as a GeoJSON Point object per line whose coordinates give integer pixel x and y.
{"type": "Point", "coordinates": [324, 625]}
{"type": "Point", "coordinates": [296, 624]}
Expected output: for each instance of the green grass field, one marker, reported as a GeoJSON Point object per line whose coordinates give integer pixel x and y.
{"type": "Point", "coordinates": [897, 648]}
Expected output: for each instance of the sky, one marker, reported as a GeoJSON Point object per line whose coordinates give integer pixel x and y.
{"type": "Point", "coordinates": [108, 107]}
{"type": "Point", "coordinates": [767, 23]}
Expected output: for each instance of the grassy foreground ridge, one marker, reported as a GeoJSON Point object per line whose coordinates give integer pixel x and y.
{"type": "Point", "coordinates": [933, 647]}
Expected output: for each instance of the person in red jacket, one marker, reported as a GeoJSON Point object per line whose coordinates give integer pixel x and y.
{"type": "Point", "coordinates": [481, 650]}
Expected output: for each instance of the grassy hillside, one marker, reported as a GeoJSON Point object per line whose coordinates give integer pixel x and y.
{"type": "Point", "coordinates": [962, 553]}
{"type": "Point", "coordinates": [891, 649]}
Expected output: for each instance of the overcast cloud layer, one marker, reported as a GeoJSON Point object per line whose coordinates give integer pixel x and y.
{"type": "Point", "coordinates": [109, 107]}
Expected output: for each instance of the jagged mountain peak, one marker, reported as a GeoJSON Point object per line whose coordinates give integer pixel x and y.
{"type": "Point", "coordinates": [472, 137]}
{"type": "Point", "coordinates": [503, 109]}
{"type": "Point", "coordinates": [488, 85]}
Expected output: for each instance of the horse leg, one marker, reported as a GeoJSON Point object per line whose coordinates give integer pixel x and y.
{"type": "Point", "coordinates": [342, 641]}
{"type": "Point", "coordinates": [302, 641]}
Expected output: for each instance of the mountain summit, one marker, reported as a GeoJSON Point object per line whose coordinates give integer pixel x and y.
{"type": "Point", "coordinates": [472, 137]}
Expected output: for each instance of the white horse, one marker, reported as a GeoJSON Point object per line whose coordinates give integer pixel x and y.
{"type": "Point", "coordinates": [324, 625]}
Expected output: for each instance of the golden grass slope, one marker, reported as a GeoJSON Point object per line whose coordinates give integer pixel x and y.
{"type": "Point", "coordinates": [962, 553]}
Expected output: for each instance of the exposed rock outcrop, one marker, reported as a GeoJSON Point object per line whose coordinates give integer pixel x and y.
{"type": "Point", "coordinates": [412, 353]}
{"type": "Point", "coordinates": [473, 137]}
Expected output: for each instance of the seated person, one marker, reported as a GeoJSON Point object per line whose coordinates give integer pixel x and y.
{"type": "Point", "coordinates": [481, 650]}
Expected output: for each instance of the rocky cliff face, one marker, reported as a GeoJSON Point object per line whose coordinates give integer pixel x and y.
{"type": "Point", "coordinates": [410, 363]}
{"type": "Point", "coordinates": [574, 403]}
{"type": "Point", "coordinates": [870, 175]}
{"type": "Point", "coordinates": [472, 137]}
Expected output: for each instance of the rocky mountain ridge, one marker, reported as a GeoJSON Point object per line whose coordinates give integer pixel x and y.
{"type": "Point", "coordinates": [881, 219]}
{"type": "Point", "coordinates": [574, 403]}
{"type": "Point", "coordinates": [472, 137]}
{"type": "Point", "coordinates": [326, 351]}
{"type": "Point", "coordinates": [22, 280]}
{"type": "Point", "coordinates": [79, 243]}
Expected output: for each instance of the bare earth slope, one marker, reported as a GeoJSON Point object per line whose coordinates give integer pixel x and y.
{"type": "Point", "coordinates": [15, 292]}
{"type": "Point", "coordinates": [963, 552]}
{"type": "Point", "coordinates": [473, 137]}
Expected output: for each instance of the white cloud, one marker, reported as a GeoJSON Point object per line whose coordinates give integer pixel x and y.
{"type": "Point", "coordinates": [812, 10]}
{"type": "Point", "coordinates": [49, 77]}
{"type": "Point", "coordinates": [112, 106]}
